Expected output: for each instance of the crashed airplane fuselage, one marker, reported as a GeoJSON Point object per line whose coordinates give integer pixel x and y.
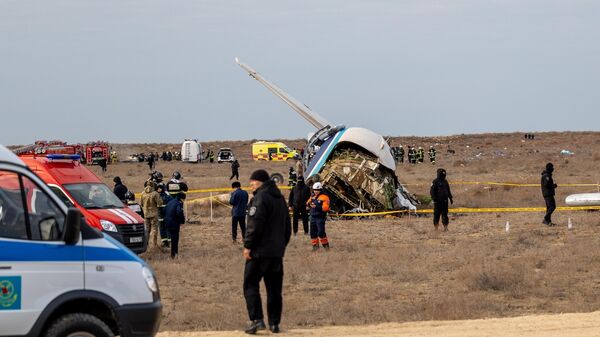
{"type": "Point", "coordinates": [354, 164]}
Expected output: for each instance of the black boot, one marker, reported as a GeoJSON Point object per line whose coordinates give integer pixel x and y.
{"type": "Point", "coordinates": [326, 246]}
{"type": "Point", "coordinates": [315, 248]}
{"type": "Point", "coordinates": [255, 325]}
{"type": "Point", "coordinates": [274, 328]}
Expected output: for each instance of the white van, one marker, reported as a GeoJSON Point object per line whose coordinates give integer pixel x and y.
{"type": "Point", "coordinates": [191, 151]}
{"type": "Point", "coordinates": [61, 277]}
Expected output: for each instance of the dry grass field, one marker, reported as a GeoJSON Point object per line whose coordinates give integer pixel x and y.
{"type": "Point", "coordinates": [398, 269]}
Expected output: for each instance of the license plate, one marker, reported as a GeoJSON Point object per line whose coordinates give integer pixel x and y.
{"type": "Point", "coordinates": [137, 239]}
{"type": "Point", "coordinates": [135, 208]}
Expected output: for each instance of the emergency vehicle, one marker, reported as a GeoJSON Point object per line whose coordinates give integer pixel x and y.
{"type": "Point", "coordinates": [275, 151]}
{"type": "Point", "coordinates": [191, 151]}
{"type": "Point", "coordinates": [79, 187]}
{"type": "Point", "coordinates": [60, 276]}
{"type": "Point", "coordinates": [95, 151]}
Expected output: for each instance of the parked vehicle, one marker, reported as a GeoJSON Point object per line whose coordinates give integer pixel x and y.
{"type": "Point", "coordinates": [191, 151]}
{"type": "Point", "coordinates": [275, 151]}
{"type": "Point", "coordinates": [59, 276]}
{"type": "Point", "coordinates": [225, 155]}
{"type": "Point", "coordinates": [79, 187]}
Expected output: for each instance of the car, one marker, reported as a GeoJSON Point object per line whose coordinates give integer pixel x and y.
{"type": "Point", "coordinates": [59, 276]}
{"type": "Point", "coordinates": [225, 155]}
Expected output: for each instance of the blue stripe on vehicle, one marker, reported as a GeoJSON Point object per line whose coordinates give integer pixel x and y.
{"type": "Point", "coordinates": [323, 158]}
{"type": "Point", "coordinates": [28, 251]}
{"type": "Point", "coordinates": [126, 250]}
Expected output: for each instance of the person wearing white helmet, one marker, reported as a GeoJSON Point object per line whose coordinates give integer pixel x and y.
{"type": "Point", "coordinates": [318, 205]}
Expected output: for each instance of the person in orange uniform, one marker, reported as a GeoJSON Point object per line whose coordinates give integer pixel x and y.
{"type": "Point", "coordinates": [318, 205]}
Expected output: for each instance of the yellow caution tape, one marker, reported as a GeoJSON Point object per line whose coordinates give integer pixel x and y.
{"type": "Point", "coordinates": [493, 183]}
{"type": "Point", "coordinates": [475, 210]}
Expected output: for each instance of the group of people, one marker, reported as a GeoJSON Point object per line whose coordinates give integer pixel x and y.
{"type": "Point", "coordinates": [441, 196]}
{"type": "Point", "coordinates": [162, 206]}
{"type": "Point", "coordinates": [267, 234]}
{"type": "Point", "coordinates": [414, 155]}
{"type": "Point", "coordinates": [308, 206]}
{"type": "Point", "coordinates": [266, 227]}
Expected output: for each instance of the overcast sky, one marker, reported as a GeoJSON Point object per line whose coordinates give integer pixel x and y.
{"type": "Point", "coordinates": [161, 71]}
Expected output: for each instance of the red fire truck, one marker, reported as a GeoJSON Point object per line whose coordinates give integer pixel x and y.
{"type": "Point", "coordinates": [96, 151]}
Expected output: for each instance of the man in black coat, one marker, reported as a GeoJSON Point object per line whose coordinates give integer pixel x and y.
{"type": "Point", "coordinates": [120, 190]}
{"type": "Point", "coordinates": [440, 194]}
{"type": "Point", "coordinates": [297, 203]}
{"type": "Point", "coordinates": [267, 235]}
{"type": "Point", "coordinates": [174, 218]}
{"type": "Point", "coordinates": [235, 170]}
{"type": "Point", "coordinates": [548, 192]}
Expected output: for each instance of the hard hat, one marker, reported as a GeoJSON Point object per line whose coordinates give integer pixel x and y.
{"type": "Point", "coordinates": [176, 175]}
{"type": "Point", "coordinates": [317, 186]}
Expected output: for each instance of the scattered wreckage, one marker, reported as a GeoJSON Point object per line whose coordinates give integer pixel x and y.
{"type": "Point", "coordinates": [354, 164]}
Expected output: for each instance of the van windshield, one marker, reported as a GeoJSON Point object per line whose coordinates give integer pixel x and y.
{"type": "Point", "coordinates": [94, 196]}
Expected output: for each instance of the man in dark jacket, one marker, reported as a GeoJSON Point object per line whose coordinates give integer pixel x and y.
{"type": "Point", "coordinates": [440, 194]}
{"type": "Point", "coordinates": [548, 192]}
{"type": "Point", "coordinates": [239, 201]}
{"type": "Point", "coordinates": [235, 170]}
{"type": "Point", "coordinates": [174, 218]}
{"type": "Point", "coordinates": [297, 203]}
{"type": "Point", "coordinates": [120, 190]}
{"type": "Point", "coordinates": [176, 184]}
{"type": "Point", "coordinates": [267, 236]}
{"type": "Point", "coordinates": [164, 232]}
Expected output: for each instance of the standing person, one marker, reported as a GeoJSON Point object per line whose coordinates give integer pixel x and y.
{"type": "Point", "coordinates": [297, 203]}
{"type": "Point", "coordinates": [548, 192]}
{"type": "Point", "coordinates": [150, 203]}
{"type": "Point", "coordinates": [102, 164]}
{"type": "Point", "coordinates": [235, 166]}
{"type": "Point", "coordinates": [267, 236]}
{"type": "Point", "coordinates": [151, 161]}
{"type": "Point", "coordinates": [211, 156]}
{"type": "Point", "coordinates": [120, 190]}
{"type": "Point", "coordinates": [174, 218]}
{"type": "Point", "coordinates": [432, 154]}
{"type": "Point", "coordinates": [239, 201]}
{"type": "Point", "coordinates": [412, 155]}
{"type": "Point", "coordinates": [292, 177]}
{"type": "Point", "coordinates": [299, 167]}
{"type": "Point", "coordinates": [318, 205]}
{"type": "Point", "coordinates": [401, 154]}
{"type": "Point", "coordinates": [421, 154]}
{"type": "Point", "coordinates": [165, 238]}
{"type": "Point", "coordinates": [176, 184]}
{"type": "Point", "coordinates": [440, 194]}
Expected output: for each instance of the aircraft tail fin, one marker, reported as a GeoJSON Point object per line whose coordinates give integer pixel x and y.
{"type": "Point", "coordinates": [302, 109]}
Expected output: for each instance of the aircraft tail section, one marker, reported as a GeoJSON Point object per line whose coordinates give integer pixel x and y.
{"type": "Point", "coordinates": [312, 117]}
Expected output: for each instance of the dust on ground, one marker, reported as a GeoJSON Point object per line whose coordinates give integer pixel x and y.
{"type": "Point", "coordinates": [563, 325]}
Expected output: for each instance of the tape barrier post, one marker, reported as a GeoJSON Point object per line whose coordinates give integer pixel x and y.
{"type": "Point", "coordinates": [211, 208]}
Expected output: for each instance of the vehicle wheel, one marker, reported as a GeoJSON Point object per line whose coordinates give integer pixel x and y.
{"type": "Point", "coordinates": [277, 178]}
{"type": "Point", "coordinates": [79, 325]}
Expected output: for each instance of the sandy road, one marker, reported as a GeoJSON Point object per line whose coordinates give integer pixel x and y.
{"type": "Point", "coordinates": [564, 325]}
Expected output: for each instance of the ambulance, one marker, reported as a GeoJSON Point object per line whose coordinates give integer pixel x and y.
{"type": "Point", "coordinates": [59, 276]}
{"type": "Point", "coordinates": [79, 187]}
{"type": "Point", "coordinates": [275, 151]}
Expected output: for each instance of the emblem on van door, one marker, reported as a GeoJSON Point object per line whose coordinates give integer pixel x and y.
{"type": "Point", "coordinates": [10, 293]}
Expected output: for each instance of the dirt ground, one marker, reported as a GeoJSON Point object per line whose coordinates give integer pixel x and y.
{"type": "Point", "coordinates": [384, 270]}
{"type": "Point", "coordinates": [560, 325]}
